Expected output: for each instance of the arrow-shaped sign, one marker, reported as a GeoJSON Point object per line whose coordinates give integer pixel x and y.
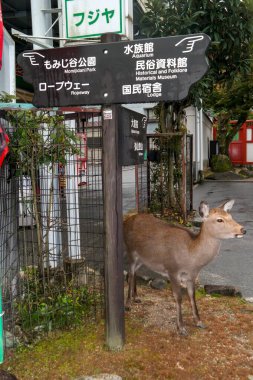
{"type": "Point", "coordinates": [136, 71]}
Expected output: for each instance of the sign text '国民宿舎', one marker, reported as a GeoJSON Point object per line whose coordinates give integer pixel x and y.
{"type": "Point", "coordinates": [121, 72]}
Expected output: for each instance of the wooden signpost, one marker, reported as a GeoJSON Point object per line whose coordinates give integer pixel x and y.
{"type": "Point", "coordinates": [112, 73]}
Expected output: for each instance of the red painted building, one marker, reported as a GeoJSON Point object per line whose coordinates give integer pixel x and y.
{"type": "Point", "coordinates": [241, 148]}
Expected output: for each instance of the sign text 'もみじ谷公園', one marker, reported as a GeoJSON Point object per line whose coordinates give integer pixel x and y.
{"type": "Point", "coordinates": [145, 70]}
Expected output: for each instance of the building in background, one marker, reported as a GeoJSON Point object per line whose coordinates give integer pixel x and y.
{"type": "Point", "coordinates": [44, 18]}
{"type": "Point", "coordinates": [241, 148]}
{"type": "Point", "coordinates": [7, 72]}
{"type": "Point", "coordinates": [200, 125]}
{"type": "Point", "coordinates": [25, 18]}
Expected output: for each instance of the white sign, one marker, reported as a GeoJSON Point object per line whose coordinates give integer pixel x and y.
{"type": "Point", "coordinates": [107, 114]}
{"type": "Point", "coordinates": [91, 18]}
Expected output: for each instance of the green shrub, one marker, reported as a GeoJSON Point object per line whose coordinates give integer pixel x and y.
{"type": "Point", "coordinates": [221, 163]}
{"type": "Point", "coordinates": [49, 306]}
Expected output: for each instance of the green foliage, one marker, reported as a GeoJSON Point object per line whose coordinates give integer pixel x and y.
{"type": "Point", "coordinates": [228, 23]}
{"type": "Point", "coordinates": [200, 293]}
{"type": "Point", "coordinates": [230, 27]}
{"type": "Point", "coordinates": [158, 188]}
{"type": "Point", "coordinates": [51, 305]}
{"type": "Point", "coordinates": [226, 90]}
{"type": "Point", "coordinates": [221, 163]}
{"type": "Point", "coordinates": [6, 98]}
{"type": "Point", "coordinates": [231, 103]}
{"type": "Point", "coordinates": [39, 138]}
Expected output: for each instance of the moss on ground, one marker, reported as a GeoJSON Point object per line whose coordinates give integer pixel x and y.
{"type": "Point", "coordinates": [153, 350]}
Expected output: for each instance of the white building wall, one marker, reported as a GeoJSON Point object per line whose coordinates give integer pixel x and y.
{"type": "Point", "coordinates": [207, 137]}
{"type": "Point", "coordinates": [8, 71]}
{"type": "Point", "coordinates": [191, 126]}
{"type": "Point", "coordinates": [142, 108]}
{"type": "Point", "coordinates": [200, 126]}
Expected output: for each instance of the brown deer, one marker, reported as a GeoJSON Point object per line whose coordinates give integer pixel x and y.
{"type": "Point", "coordinates": [177, 252]}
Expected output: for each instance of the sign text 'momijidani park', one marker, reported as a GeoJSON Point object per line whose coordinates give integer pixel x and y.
{"type": "Point", "coordinates": [138, 71]}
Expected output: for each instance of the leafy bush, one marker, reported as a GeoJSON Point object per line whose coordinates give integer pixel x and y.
{"type": "Point", "coordinates": [49, 306]}
{"type": "Point", "coordinates": [221, 163]}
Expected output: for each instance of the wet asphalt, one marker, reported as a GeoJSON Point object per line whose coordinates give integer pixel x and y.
{"type": "Point", "coordinates": [234, 264]}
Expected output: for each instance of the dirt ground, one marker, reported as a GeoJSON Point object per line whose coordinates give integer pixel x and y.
{"type": "Point", "coordinates": [153, 349]}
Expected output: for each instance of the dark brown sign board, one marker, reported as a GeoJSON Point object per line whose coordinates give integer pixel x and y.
{"type": "Point", "coordinates": [138, 71]}
{"type": "Point", "coordinates": [132, 127]}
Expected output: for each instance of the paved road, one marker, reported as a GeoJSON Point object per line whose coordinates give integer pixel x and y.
{"type": "Point", "coordinates": [234, 264]}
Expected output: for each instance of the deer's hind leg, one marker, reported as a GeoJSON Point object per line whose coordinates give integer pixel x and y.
{"type": "Point", "coordinates": [132, 286]}
{"type": "Point", "coordinates": [177, 293]}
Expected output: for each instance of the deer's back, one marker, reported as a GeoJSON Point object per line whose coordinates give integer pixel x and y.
{"type": "Point", "coordinates": [156, 241]}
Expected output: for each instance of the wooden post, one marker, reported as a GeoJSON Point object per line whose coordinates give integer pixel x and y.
{"type": "Point", "coordinates": [114, 281]}
{"type": "Point", "coordinates": [137, 190]}
{"type": "Point", "coordinates": [112, 186]}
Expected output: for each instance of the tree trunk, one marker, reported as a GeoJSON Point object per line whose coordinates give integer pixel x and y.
{"type": "Point", "coordinates": [36, 213]}
{"type": "Point", "coordinates": [170, 157]}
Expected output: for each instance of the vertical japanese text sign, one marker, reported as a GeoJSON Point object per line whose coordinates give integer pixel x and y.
{"type": "Point", "coordinates": [132, 137]}
{"type": "Point", "coordinates": [91, 18]}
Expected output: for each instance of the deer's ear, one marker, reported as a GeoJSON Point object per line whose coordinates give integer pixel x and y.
{"type": "Point", "coordinates": [203, 209]}
{"type": "Point", "coordinates": [226, 206]}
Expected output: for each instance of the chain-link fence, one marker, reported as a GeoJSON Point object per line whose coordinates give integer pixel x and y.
{"type": "Point", "coordinates": [51, 212]}
{"type": "Point", "coordinates": [51, 215]}
{"type": "Point", "coordinates": [135, 188]}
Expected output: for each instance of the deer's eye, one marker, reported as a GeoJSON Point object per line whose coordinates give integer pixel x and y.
{"type": "Point", "coordinates": [219, 220]}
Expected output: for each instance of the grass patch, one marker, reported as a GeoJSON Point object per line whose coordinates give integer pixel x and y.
{"type": "Point", "coordinates": [153, 350]}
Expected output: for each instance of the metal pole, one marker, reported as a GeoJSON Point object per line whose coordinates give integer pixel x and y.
{"type": "Point", "coordinates": [1, 330]}
{"type": "Point", "coordinates": [197, 144]}
{"type": "Point", "coordinates": [201, 138]}
{"type": "Point", "coordinates": [112, 190]}
{"type": "Point", "coordinates": [184, 176]}
{"type": "Point", "coordinates": [72, 202]}
{"type": "Point", "coordinates": [41, 21]}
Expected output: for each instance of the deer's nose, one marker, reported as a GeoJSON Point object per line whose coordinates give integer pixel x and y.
{"type": "Point", "coordinates": [243, 231]}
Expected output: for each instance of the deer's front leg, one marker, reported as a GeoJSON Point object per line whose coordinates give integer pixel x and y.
{"type": "Point", "coordinates": [191, 293]}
